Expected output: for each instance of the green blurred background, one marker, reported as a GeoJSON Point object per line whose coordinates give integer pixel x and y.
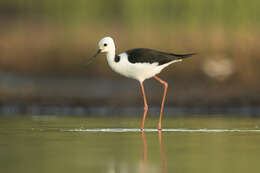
{"type": "Point", "coordinates": [44, 46]}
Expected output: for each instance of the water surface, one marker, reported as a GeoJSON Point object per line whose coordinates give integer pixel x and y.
{"type": "Point", "coordinates": [115, 144]}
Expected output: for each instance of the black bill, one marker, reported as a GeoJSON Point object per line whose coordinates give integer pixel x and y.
{"type": "Point", "coordinates": [94, 56]}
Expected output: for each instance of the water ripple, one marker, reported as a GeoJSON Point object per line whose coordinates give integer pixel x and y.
{"type": "Point", "coordinates": [121, 130]}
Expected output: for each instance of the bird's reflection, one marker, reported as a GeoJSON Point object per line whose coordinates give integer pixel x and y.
{"type": "Point", "coordinates": [143, 169]}
{"type": "Point", "coordinates": [162, 151]}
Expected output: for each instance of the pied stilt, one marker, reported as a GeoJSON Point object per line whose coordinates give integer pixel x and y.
{"type": "Point", "coordinates": [139, 64]}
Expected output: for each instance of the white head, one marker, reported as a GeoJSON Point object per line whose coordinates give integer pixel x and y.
{"type": "Point", "coordinates": [106, 44]}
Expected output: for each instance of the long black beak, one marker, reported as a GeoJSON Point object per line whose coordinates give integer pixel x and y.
{"type": "Point", "coordinates": [94, 56]}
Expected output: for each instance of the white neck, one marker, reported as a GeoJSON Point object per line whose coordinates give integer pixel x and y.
{"type": "Point", "coordinates": [110, 56]}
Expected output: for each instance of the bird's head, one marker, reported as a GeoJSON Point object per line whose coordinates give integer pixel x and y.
{"type": "Point", "coordinates": [105, 45]}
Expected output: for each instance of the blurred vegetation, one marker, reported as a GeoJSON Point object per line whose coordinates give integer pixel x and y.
{"type": "Point", "coordinates": [231, 12]}
{"type": "Point", "coordinates": [55, 37]}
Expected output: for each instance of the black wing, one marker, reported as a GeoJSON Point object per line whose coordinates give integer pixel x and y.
{"type": "Point", "coordinates": [152, 56]}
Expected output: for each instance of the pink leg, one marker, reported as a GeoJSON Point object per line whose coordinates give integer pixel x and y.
{"type": "Point", "coordinates": [163, 100]}
{"type": "Point", "coordinates": [145, 106]}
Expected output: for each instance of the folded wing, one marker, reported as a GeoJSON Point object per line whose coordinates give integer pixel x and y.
{"type": "Point", "coordinates": [143, 55]}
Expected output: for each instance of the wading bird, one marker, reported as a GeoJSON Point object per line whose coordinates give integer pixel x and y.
{"type": "Point", "coordinates": [139, 64]}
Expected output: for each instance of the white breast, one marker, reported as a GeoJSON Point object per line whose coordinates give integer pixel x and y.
{"type": "Point", "coordinates": [138, 71]}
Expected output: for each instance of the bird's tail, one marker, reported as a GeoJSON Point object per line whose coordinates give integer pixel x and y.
{"type": "Point", "coordinates": [182, 56]}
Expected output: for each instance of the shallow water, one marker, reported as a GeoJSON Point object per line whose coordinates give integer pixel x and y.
{"type": "Point", "coordinates": [115, 144]}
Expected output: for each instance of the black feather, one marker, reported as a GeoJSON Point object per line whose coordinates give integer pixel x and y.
{"type": "Point", "coordinates": [151, 56]}
{"type": "Point", "coordinates": [117, 58]}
